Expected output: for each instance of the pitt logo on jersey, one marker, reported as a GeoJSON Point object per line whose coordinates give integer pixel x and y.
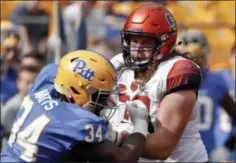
{"type": "Point", "coordinates": [81, 69]}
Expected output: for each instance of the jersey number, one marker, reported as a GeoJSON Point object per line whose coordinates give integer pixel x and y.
{"type": "Point", "coordinates": [205, 106]}
{"type": "Point", "coordinates": [28, 137]}
{"type": "Point", "coordinates": [93, 134]}
{"type": "Point", "coordinates": [206, 112]}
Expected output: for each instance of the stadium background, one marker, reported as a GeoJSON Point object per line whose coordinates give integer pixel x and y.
{"type": "Point", "coordinates": [215, 18]}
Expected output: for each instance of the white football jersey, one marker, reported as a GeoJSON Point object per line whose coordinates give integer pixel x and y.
{"type": "Point", "coordinates": [190, 147]}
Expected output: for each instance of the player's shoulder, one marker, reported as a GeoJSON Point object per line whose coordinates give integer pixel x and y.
{"type": "Point", "coordinates": [181, 73]}
{"type": "Point", "coordinates": [117, 60]}
{"type": "Point", "coordinates": [45, 78]}
{"type": "Point", "coordinates": [182, 65]}
{"type": "Point", "coordinates": [79, 115]}
{"type": "Point", "coordinates": [52, 67]}
{"type": "Point", "coordinates": [177, 66]}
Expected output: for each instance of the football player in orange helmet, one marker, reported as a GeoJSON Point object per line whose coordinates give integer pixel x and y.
{"type": "Point", "coordinates": [154, 75]}
{"type": "Point", "coordinates": [58, 118]}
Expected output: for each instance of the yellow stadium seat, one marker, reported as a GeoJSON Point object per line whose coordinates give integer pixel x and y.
{"type": "Point", "coordinates": [179, 11]}
{"type": "Point", "coordinates": [199, 12]}
{"type": "Point", "coordinates": [226, 12]}
{"type": "Point", "coordinates": [220, 41]}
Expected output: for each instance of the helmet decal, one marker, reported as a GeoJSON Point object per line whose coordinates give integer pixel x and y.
{"type": "Point", "coordinates": [170, 19]}
{"type": "Point", "coordinates": [81, 69]}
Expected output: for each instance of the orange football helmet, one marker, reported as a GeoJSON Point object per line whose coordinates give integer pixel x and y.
{"type": "Point", "coordinates": [155, 21]}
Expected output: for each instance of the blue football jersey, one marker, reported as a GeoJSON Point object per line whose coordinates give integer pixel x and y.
{"type": "Point", "coordinates": [214, 123]}
{"type": "Point", "coordinates": [46, 129]}
{"type": "Point", "coordinates": [224, 122]}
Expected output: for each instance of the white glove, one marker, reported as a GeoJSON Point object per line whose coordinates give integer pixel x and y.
{"type": "Point", "coordinates": [138, 113]}
{"type": "Point", "coordinates": [117, 120]}
{"type": "Point", "coordinates": [114, 136]}
{"type": "Point", "coordinates": [219, 154]}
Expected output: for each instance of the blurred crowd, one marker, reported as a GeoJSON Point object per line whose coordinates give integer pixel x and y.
{"type": "Point", "coordinates": [34, 33]}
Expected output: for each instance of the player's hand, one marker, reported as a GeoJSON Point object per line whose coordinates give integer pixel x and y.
{"type": "Point", "coordinates": [114, 136]}
{"type": "Point", "coordinates": [138, 113]}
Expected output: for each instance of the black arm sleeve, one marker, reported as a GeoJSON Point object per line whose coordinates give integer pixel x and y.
{"type": "Point", "coordinates": [184, 75]}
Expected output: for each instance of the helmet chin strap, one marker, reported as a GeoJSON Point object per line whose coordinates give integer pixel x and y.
{"type": "Point", "coordinates": [142, 67]}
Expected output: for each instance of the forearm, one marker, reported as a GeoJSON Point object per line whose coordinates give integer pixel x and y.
{"type": "Point", "coordinates": [129, 151]}
{"type": "Point", "coordinates": [159, 145]}
{"type": "Point", "coordinates": [134, 145]}
{"type": "Point", "coordinates": [132, 148]}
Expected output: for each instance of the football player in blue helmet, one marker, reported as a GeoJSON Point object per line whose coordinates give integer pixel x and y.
{"type": "Point", "coordinates": [58, 119]}
{"type": "Point", "coordinates": [214, 123]}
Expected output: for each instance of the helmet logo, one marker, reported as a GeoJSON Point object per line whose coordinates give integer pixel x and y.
{"type": "Point", "coordinates": [170, 19]}
{"type": "Point", "coordinates": [80, 69]}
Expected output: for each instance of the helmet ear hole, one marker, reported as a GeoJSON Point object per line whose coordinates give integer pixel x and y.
{"type": "Point", "coordinates": [74, 91]}
{"type": "Point", "coordinates": [102, 80]}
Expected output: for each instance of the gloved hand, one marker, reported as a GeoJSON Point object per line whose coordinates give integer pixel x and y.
{"type": "Point", "coordinates": [219, 154]}
{"type": "Point", "coordinates": [138, 113]}
{"type": "Point", "coordinates": [114, 136]}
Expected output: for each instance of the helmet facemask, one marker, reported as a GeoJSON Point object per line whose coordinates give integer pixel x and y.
{"type": "Point", "coordinates": [100, 99]}
{"type": "Point", "coordinates": [133, 62]}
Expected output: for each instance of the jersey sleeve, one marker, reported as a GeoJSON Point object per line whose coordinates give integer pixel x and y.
{"type": "Point", "coordinates": [184, 75]}
{"type": "Point", "coordinates": [87, 130]}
